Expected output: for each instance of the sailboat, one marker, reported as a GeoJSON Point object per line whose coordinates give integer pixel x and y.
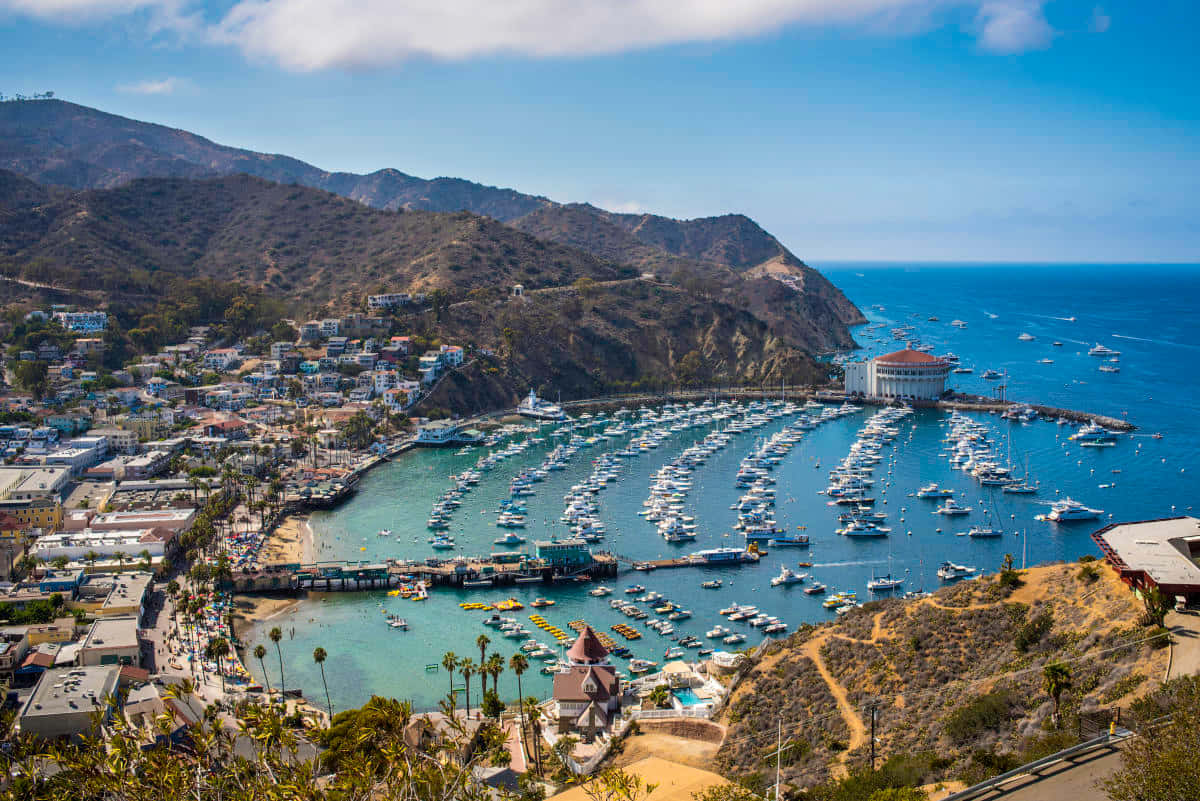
{"type": "Point", "coordinates": [884, 583]}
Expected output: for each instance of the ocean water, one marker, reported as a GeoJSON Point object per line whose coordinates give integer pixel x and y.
{"type": "Point", "coordinates": [1147, 313]}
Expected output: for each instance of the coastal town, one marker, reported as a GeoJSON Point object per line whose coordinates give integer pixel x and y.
{"type": "Point", "coordinates": [152, 514]}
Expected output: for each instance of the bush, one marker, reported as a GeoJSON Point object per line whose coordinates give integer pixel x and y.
{"type": "Point", "coordinates": [1083, 560]}
{"type": "Point", "coordinates": [982, 713]}
{"type": "Point", "coordinates": [1033, 631]}
{"type": "Point", "coordinates": [1088, 574]}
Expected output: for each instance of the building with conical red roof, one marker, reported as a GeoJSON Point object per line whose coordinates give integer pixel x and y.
{"type": "Point", "coordinates": [587, 694]}
{"type": "Point", "coordinates": [903, 375]}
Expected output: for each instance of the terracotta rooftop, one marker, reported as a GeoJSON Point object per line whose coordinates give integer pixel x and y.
{"type": "Point", "coordinates": [908, 356]}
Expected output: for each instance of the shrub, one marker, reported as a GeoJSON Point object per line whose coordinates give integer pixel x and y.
{"type": "Point", "coordinates": [982, 713]}
{"type": "Point", "coordinates": [1088, 574]}
{"type": "Point", "coordinates": [1033, 631]}
{"type": "Point", "coordinates": [1083, 560]}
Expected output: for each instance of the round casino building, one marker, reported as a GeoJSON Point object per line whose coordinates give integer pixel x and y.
{"type": "Point", "coordinates": [903, 375]}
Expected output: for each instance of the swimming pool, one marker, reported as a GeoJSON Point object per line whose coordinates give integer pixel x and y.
{"type": "Point", "coordinates": [688, 698]}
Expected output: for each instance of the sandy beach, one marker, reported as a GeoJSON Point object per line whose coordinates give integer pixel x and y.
{"type": "Point", "coordinates": [291, 542]}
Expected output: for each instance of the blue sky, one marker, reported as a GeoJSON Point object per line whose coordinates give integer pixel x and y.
{"type": "Point", "coordinates": [852, 129]}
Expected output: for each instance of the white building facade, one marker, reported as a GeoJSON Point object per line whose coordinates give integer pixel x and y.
{"type": "Point", "coordinates": [902, 375]}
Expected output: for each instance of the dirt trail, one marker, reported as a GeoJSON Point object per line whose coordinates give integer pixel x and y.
{"type": "Point", "coordinates": [858, 729]}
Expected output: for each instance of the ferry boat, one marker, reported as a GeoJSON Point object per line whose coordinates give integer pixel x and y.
{"type": "Point", "coordinates": [445, 433]}
{"type": "Point", "coordinates": [722, 556]}
{"type": "Point", "coordinates": [1101, 350]}
{"type": "Point", "coordinates": [1067, 510]}
{"type": "Point", "coordinates": [948, 571]}
{"type": "Point", "coordinates": [538, 409]}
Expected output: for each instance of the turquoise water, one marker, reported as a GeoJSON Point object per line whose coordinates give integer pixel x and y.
{"type": "Point", "coordinates": [1147, 315]}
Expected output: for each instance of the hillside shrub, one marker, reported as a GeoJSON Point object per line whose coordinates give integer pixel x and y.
{"type": "Point", "coordinates": [1034, 630]}
{"type": "Point", "coordinates": [1088, 574]}
{"type": "Point", "coordinates": [982, 713]}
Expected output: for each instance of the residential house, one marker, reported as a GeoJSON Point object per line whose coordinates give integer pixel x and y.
{"type": "Point", "coordinates": [88, 322]}
{"type": "Point", "coordinates": [221, 359]}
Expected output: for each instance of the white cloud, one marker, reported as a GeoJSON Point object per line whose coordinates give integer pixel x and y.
{"type": "Point", "coordinates": [1014, 26]}
{"type": "Point", "coordinates": [307, 35]}
{"type": "Point", "coordinates": [165, 86]}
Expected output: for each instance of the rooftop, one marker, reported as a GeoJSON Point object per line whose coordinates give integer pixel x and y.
{"type": "Point", "coordinates": [908, 356]}
{"type": "Point", "coordinates": [1162, 549]}
{"type": "Point", "coordinates": [71, 690]}
{"type": "Point", "coordinates": [112, 632]}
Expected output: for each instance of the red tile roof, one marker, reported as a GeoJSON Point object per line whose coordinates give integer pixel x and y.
{"type": "Point", "coordinates": [909, 356]}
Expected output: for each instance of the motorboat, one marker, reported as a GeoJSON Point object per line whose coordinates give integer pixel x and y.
{"type": "Point", "coordinates": [948, 571]}
{"type": "Point", "coordinates": [980, 531]}
{"type": "Point", "coordinates": [712, 584]}
{"type": "Point", "coordinates": [1067, 510]}
{"type": "Point", "coordinates": [385, 532]}
{"type": "Point", "coordinates": [815, 589]}
{"type": "Point", "coordinates": [1101, 350]}
{"type": "Point", "coordinates": [1093, 433]}
{"type": "Point", "coordinates": [788, 576]}
{"type": "Point", "coordinates": [641, 666]}
{"type": "Point", "coordinates": [636, 589]}
{"type": "Point", "coordinates": [884, 583]}
{"type": "Point", "coordinates": [511, 538]}
{"type": "Point", "coordinates": [1024, 337]}
{"type": "Point", "coordinates": [934, 491]}
{"type": "Point", "coordinates": [600, 592]}
{"type": "Point", "coordinates": [992, 375]}
{"type": "Point", "coordinates": [951, 509]}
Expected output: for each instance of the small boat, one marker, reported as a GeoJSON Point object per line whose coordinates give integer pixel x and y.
{"type": "Point", "coordinates": [673, 653]}
{"type": "Point", "coordinates": [511, 538]}
{"type": "Point", "coordinates": [636, 589]}
{"type": "Point", "coordinates": [815, 589]}
{"type": "Point", "coordinates": [884, 583]}
{"type": "Point", "coordinates": [734, 639]}
{"type": "Point", "coordinates": [538, 603]}
{"type": "Point", "coordinates": [398, 623]}
{"type": "Point", "coordinates": [600, 592]}
{"type": "Point", "coordinates": [385, 532]}
{"type": "Point", "coordinates": [641, 666]}
{"type": "Point", "coordinates": [1024, 337]}
{"type": "Point", "coordinates": [979, 531]}
{"type": "Point", "coordinates": [948, 571]}
{"type": "Point", "coordinates": [951, 509]}
{"type": "Point", "coordinates": [713, 584]}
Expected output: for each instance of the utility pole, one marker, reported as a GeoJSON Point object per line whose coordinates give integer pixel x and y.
{"type": "Point", "coordinates": [873, 715]}
{"type": "Point", "coordinates": [779, 753]}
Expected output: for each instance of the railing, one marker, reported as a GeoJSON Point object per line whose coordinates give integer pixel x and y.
{"type": "Point", "coordinates": [1033, 767]}
{"type": "Point", "coordinates": [656, 714]}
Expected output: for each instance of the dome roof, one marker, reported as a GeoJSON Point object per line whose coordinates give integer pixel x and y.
{"type": "Point", "coordinates": [909, 356]}
{"type": "Point", "coordinates": [587, 648]}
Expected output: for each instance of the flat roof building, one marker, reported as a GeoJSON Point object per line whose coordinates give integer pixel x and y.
{"type": "Point", "coordinates": [111, 641]}
{"type": "Point", "coordinates": [26, 483]}
{"type": "Point", "coordinates": [172, 519]}
{"type": "Point", "coordinates": [1155, 553]}
{"type": "Point", "coordinates": [64, 700]}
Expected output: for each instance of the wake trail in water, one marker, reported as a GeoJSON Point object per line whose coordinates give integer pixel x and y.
{"type": "Point", "coordinates": [1158, 341]}
{"type": "Point", "coordinates": [852, 564]}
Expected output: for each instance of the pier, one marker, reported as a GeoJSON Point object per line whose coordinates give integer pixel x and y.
{"type": "Point", "coordinates": [480, 572]}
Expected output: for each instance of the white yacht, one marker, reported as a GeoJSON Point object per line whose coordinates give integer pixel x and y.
{"type": "Point", "coordinates": [948, 571]}
{"type": "Point", "coordinates": [1101, 350]}
{"type": "Point", "coordinates": [884, 583]}
{"type": "Point", "coordinates": [951, 509]}
{"type": "Point", "coordinates": [788, 576]}
{"type": "Point", "coordinates": [1067, 510]}
{"type": "Point", "coordinates": [538, 409]}
{"type": "Point", "coordinates": [1026, 337]}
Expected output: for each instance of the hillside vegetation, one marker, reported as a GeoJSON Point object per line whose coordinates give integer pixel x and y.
{"type": "Point", "coordinates": [957, 679]}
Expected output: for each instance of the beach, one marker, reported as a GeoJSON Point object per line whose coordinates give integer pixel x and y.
{"type": "Point", "coordinates": [290, 543]}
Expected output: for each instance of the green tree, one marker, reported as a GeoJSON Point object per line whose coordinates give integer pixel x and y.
{"type": "Point", "coordinates": [319, 656]}
{"type": "Point", "coordinates": [259, 653]}
{"type": "Point", "coordinates": [1162, 766]}
{"type": "Point", "coordinates": [467, 668]}
{"type": "Point", "coordinates": [1157, 605]}
{"type": "Point", "coordinates": [518, 664]}
{"type": "Point", "coordinates": [33, 377]}
{"type": "Point", "coordinates": [450, 664]}
{"type": "Point", "coordinates": [275, 635]}
{"type": "Point", "coordinates": [482, 642]}
{"type": "Point", "coordinates": [1056, 679]}
{"type": "Point", "coordinates": [660, 696]}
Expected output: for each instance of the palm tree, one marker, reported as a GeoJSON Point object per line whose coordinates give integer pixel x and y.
{"type": "Point", "coordinates": [275, 636]}
{"type": "Point", "coordinates": [518, 664]}
{"type": "Point", "coordinates": [467, 668]}
{"type": "Point", "coordinates": [449, 664]}
{"type": "Point", "coordinates": [90, 557]}
{"type": "Point", "coordinates": [319, 657]}
{"type": "Point", "coordinates": [535, 721]}
{"type": "Point", "coordinates": [146, 559]}
{"type": "Point", "coordinates": [495, 666]}
{"type": "Point", "coordinates": [659, 696]}
{"type": "Point", "coordinates": [259, 653]}
{"type": "Point", "coordinates": [120, 556]}
{"type": "Point", "coordinates": [1056, 678]}
{"type": "Point", "coordinates": [482, 642]}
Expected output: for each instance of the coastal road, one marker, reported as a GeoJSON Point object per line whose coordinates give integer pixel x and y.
{"type": "Point", "coordinates": [1185, 648]}
{"type": "Point", "coordinates": [1072, 780]}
